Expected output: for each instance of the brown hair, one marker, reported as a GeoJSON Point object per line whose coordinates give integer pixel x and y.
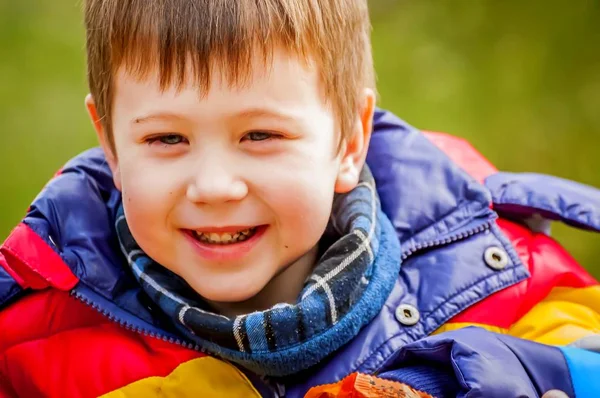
{"type": "Point", "coordinates": [179, 36]}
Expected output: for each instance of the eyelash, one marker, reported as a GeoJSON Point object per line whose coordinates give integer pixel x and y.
{"type": "Point", "coordinates": [269, 136]}
{"type": "Point", "coordinates": [160, 139]}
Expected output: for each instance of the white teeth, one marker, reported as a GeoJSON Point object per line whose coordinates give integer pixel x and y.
{"type": "Point", "coordinates": [225, 238]}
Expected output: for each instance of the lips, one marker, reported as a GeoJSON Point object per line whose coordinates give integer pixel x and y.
{"type": "Point", "coordinates": [222, 244]}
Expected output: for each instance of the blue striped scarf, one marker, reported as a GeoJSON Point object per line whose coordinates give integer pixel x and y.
{"type": "Point", "coordinates": [347, 288]}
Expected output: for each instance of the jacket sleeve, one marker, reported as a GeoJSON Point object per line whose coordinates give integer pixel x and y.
{"type": "Point", "coordinates": [474, 362]}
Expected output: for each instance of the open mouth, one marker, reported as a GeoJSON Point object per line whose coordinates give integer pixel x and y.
{"type": "Point", "coordinates": [226, 244]}
{"type": "Point", "coordinates": [224, 238]}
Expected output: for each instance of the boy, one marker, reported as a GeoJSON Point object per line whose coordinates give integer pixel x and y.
{"type": "Point", "coordinates": [228, 239]}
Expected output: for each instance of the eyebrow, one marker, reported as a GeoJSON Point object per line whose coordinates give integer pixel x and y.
{"type": "Point", "coordinates": [250, 113]}
{"type": "Point", "coordinates": [161, 116]}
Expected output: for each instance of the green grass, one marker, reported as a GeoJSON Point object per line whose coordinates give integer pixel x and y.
{"type": "Point", "coordinates": [520, 80]}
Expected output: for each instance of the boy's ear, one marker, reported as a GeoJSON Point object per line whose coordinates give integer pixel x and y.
{"type": "Point", "coordinates": [111, 157]}
{"type": "Point", "coordinates": [355, 146]}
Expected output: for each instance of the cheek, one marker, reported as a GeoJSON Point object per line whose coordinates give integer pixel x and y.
{"type": "Point", "coordinates": [151, 187]}
{"type": "Point", "coordinates": [301, 200]}
{"type": "Point", "coordinates": [305, 219]}
{"type": "Point", "coordinates": [148, 200]}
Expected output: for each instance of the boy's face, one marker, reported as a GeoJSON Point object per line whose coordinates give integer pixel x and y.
{"type": "Point", "coordinates": [230, 189]}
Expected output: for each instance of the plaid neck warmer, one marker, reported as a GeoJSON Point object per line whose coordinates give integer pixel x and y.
{"type": "Point", "coordinates": [347, 289]}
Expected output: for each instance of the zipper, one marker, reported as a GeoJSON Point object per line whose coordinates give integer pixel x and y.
{"type": "Point", "coordinates": [451, 239]}
{"type": "Point", "coordinates": [134, 328]}
{"type": "Point", "coordinates": [280, 390]}
{"type": "Point", "coordinates": [277, 388]}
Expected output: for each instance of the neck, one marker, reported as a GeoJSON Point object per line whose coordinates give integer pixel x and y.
{"type": "Point", "coordinates": [285, 287]}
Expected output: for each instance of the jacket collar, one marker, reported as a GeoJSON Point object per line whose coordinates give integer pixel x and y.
{"type": "Point", "coordinates": [425, 194]}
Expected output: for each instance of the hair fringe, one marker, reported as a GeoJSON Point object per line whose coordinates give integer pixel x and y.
{"type": "Point", "coordinates": [194, 39]}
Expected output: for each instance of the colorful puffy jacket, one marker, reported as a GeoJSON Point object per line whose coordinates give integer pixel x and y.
{"type": "Point", "coordinates": [73, 322]}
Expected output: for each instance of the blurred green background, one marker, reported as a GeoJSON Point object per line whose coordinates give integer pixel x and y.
{"type": "Point", "coordinates": [520, 80]}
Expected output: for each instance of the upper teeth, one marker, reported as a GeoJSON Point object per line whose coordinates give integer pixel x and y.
{"type": "Point", "coordinates": [226, 237]}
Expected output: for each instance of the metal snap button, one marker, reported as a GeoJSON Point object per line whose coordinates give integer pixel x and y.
{"type": "Point", "coordinates": [496, 258]}
{"type": "Point", "coordinates": [407, 314]}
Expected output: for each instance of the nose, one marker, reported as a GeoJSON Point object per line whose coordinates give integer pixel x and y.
{"type": "Point", "coordinates": [215, 180]}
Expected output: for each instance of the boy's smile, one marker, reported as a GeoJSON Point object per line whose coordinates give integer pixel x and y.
{"type": "Point", "coordinates": [232, 189]}
{"type": "Point", "coordinates": [224, 236]}
{"type": "Point", "coordinates": [226, 244]}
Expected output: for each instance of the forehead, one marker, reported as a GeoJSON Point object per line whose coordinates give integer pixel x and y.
{"type": "Point", "coordinates": [281, 81]}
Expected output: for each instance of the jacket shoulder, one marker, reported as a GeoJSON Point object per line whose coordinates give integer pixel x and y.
{"type": "Point", "coordinates": [52, 329]}
{"type": "Point", "coordinates": [529, 197]}
{"type": "Point", "coordinates": [461, 152]}
{"type": "Point", "coordinates": [558, 303]}
{"type": "Point", "coordinates": [29, 262]}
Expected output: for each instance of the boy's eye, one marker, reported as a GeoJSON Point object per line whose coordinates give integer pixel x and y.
{"type": "Point", "coordinates": [259, 136]}
{"type": "Point", "coordinates": [168, 139]}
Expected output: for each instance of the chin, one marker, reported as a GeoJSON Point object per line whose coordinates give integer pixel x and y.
{"type": "Point", "coordinates": [231, 293]}
{"type": "Point", "coordinates": [230, 297]}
